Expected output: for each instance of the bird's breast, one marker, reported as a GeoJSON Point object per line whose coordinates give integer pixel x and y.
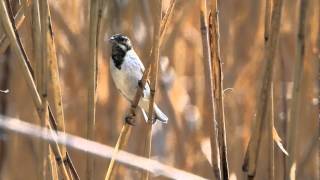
{"type": "Point", "coordinates": [126, 78]}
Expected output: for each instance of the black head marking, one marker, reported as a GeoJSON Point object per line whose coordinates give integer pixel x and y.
{"type": "Point", "coordinates": [120, 45]}
{"type": "Point", "coordinates": [122, 41]}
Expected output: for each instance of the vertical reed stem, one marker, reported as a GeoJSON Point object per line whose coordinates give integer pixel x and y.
{"type": "Point", "coordinates": [57, 97]}
{"type": "Point", "coordinates": [36, 33]}
{"type": "Point", "coordinates": [11, 32]}
{"type": "Point", "coordinates": [217, 77]}
{"type": "Point", "coordinates": [43, 82]}
{"type": "Point", "coordinates": [153, 80]}
{"type": "Point", "coordinates": [251, 156]}
{"type": "Point", "coordinates": [215, 152]}
{"type": "Point", "coordinates": [95, 15]}
{"type": "Point", "coordinates": [298, 74]}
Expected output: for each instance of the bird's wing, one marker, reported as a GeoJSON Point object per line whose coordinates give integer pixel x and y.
{"type": "Point", "coordinates": [141, 66]}
{"type": "Point", "coordinates": [138, 64]}
{"type": "Point", "coordinates": [134, 56]}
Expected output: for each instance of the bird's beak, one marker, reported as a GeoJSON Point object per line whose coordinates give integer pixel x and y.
{"type": "Point", "coordinates": [111, 39]}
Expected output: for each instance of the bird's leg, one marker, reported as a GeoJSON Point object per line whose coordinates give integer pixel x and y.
{"type": "Point", "coordinates": [154, 118]}
{"type": "Point", "coordinates": [130, 119]}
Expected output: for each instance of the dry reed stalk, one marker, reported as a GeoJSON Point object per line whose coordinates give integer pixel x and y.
{"type": "Point", "coordinates": [267, 21]}
{"type": "Point", "coordinates": [61, 162]}
{"type": "Point", "coordinates": [251, 156]}
{"type": "Point", "coordinates": [121, 141]}
{"type": "Point", "coordinates": [95, 148]}
{"type": "Point", "coordinates": [43, 70]}
{"type": "Point", "coordinates": [55, 82]}
{"type": "Point", "coordinates": [217, 77]}
{"type": "Point", "coordinates": [57, 100]}
{"type": "Point", "coordinates": [62, 158]}
{"type": "Point", "coordinates": [166, 19]}
{"type": "Point", "coordinates": [268, 6]}
{"type": "Point", "coordinates": [215, 152]}
{"type": "Point", "coordinates": [42, 85]}
{"type": "Point", "coordinates": [66, 161]}
{"type": "Point", "coordinates": [19, 19]}
{"type": "Point", "coordinates": [123, 134]}
{"type": "Point", "coordinates": [95, 16]}
{"type": "Point", "coordinates": [16, 45]}
{"type": "Point", "coordinates": [6, 24]}
{"type": "Point", "coordinates": [54, 169]}
{"type": "Point", "coordinates": [36, 31]}
{"type": "Point", "coordinates": [296, 92]}
{"type": "Point", "coordinates": [153, 79]}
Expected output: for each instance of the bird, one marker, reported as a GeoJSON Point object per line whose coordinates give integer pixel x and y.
{"type": "Point", "coordinates": [126, 71]}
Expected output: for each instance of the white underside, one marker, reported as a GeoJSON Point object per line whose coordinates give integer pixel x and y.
{"type": "Point", "coordinates": [126, 80]}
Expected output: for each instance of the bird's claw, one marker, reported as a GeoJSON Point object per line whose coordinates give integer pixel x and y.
{"type": "Point", "coordinates": [129, 119]}
{"type": "Point", "coordinates": [153, 121]}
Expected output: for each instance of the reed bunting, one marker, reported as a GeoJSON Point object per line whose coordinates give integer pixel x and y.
{"type": "Point", "coordinates": [127, 70]}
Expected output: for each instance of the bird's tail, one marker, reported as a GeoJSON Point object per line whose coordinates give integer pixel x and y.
{"type": "Point", "coordinates": [159, 115]}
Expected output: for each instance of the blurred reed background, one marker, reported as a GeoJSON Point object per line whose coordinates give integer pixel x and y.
{"type": "Point", "coordinates": [182, 93]}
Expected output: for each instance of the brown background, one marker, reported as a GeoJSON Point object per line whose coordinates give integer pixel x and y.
{"type": "Point", "coordinates": [179, 142]}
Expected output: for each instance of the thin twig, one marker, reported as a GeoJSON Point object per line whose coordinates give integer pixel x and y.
{"type": "Point", "coordinates": [215, 152]}
{"type": "Point", "coordinates": [298, 73]}
{"type": "Point", "coordinates": [217, 77]}
{"type": "Point", "coordinates": [251, 156]}
{"type": "Point", "coordinates": [166, 19]}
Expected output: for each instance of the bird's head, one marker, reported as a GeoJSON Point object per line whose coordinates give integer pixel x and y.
{"type": "Point", "coordinates": [120, 41]}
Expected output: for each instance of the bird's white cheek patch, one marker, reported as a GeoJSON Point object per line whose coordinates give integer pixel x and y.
{"type": "Point", "coordinates": [123, 47]}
